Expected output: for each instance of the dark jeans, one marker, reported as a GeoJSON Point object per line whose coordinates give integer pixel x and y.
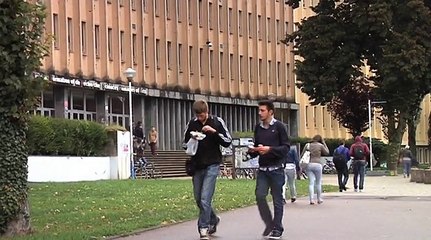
{"type": "Point", "coordinates": [273, 180]}
{"type": "Point", "coordinates": [204, 182]}
{"type": "Point", "coordinates": [153, 148]}
{"type": "Point", "coordinates": [358, 171]}
{"type": "Point", "coordinates": [407, 166]}
{"type": "Point", "coordinates": [343, 174]}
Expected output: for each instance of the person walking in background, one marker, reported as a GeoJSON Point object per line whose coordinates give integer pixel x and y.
{"type": "Point", "coordinates": [406, 158]}
{"type": "Point", "coordinates": [139, 132]}
{"type": "Point", "coordinates": [153, 137]}
{"type": "Point", "coordinates": [271, 145]}
{"type": "Point", "coordinates": [206, 160]}
{"type": "Point", "coordinates": [359, 151]}
{"type": "Point", "coordinates": [340, 158]}
{"type": "Point", "coordinates": [317, 148]}
{"type": "Point", "coordinates": [290, 170]}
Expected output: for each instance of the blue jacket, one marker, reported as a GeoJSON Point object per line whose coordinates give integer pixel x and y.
{"type": "Point", "coordinates": [343, 150]}
{"type": "Point", "coordinates": [292, 157]}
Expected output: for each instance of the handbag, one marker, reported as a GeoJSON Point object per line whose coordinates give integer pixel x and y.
{"type": "Point", "coordinates": [305, 159]}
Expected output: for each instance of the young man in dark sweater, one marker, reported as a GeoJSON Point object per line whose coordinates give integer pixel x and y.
{"type": "Point", "coordinates": [271, 144]}
{"type": "Point", "coordinates": [207, 162]}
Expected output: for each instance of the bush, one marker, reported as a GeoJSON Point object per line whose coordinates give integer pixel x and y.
{"type": "Point", "coordinates": [57, 136]}
{"type": "Point", "coordinates": [379, 147]}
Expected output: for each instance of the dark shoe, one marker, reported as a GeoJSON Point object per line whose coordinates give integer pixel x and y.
{"type": "Point", "coordinates": [275, 234]}
{"type": "Point", "coordinates": [292, 200]}
{"type": "Point", "coordinates": [341, 190]}
{"type": "Point", "coordinates": [213, 228]}
{"type": "Point", "coordinates": [267, 231]}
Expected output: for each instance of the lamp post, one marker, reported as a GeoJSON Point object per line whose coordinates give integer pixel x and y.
{"type": "Point", "coordinates": [370, 124]}
{"type": "Point", "coordinates": [130, 74]}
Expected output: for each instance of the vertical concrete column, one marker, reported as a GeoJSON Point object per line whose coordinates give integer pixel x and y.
{"type": "Point", "coordinates": [138, 112]}
{"type": "Point", "coordinates": [101, 107]}
{"type": "Point", "coordinates": [293, 123]}
{"type": "Point", "coordinates": [60, 101]}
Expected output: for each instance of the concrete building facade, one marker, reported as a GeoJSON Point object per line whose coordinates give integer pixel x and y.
{"type": "Point", "coordinates": [225, 51]}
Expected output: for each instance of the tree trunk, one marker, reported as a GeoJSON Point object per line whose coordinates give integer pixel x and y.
{"type": "Point", "coordinates": [20, 225]}
{"type": "Point", "coordinates": [411, 129]}
{"type": "Point", "coordinates": [396, 129]}
{"type": "Point", "coordinates": [14, 207]}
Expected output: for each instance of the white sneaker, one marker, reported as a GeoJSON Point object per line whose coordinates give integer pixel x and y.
{"type": "Point", "coordinates": [356, 190]}
{"type": "Point", "coordinates": [203, 232]}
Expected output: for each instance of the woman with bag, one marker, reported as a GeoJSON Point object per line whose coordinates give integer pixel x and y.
{"type": "Point", "coordinates": [317, 148]}
{"type": "Point", "coordinates": [303, 162]}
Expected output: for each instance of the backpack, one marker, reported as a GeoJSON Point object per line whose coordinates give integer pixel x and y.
{"type": "Point", "coordinates": [337, 156]}
{"type": "Point", "coordinates": [358, 152]}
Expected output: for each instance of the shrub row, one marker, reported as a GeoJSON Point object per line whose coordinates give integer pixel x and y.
{"type": "Point", "coordinates": [57, 136]}
{"type": "Point", "coordinates": [379, 147]}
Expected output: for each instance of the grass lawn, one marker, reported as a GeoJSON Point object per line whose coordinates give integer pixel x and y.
{"type": "Point", "coordinates": [93, 210]}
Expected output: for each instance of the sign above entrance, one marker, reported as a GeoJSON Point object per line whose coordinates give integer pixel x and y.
{"type": "Point", "coordinates": [97, 85]}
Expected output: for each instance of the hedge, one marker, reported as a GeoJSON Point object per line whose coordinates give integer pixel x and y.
{"type": "Point", "coordinates": [379, 147]}
{"type": "Point", "coordinates": [58, 136]}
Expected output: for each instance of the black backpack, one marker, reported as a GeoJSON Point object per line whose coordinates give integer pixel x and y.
{"type": "Point", "coordinates": [358, 153]}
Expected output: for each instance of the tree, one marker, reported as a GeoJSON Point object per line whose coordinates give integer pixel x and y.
{"type": "Point", "coordinates": [350, 106]}
{"type": "Point", "coordinates": [390, 36]}
{"type": "Point", "coordinates": [21, 51]}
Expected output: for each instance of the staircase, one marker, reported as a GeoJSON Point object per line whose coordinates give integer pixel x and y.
{"type": "Point", "coordinates": [171, 163]}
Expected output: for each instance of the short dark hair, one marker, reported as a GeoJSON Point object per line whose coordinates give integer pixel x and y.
{"type": "Point", "coordinates": [268, 103]}
{"type": "Point", "coordinates": [200, 106]}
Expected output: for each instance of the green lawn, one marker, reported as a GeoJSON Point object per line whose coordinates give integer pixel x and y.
{"type": "Point", "coordinates": [92, 210]}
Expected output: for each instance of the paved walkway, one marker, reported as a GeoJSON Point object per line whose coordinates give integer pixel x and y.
{"type": "Point", "coordinates": [390, 208]}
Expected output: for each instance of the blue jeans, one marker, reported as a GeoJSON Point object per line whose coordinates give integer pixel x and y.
{"type": "Point", "coordinates": [264, 181]}
{"type": "Point", "coordinates": [314, 172]}
{"type": "Point", "coordinates": [407, 167]}
{"type": "Point", "coordinates": [204, 182]}
{"type": "Point", "coordinates": [359, 171]}
{"type": "Point", "coordinates": [290, 175]}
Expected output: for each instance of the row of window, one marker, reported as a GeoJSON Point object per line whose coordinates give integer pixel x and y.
{"type": "Point", "coordinates": [82, 105]}
{"type": "Point", "coordinates": [260, 28]}
{"type": "Point", "coordinates": [179, 54]}
{"type": "Point", "coordinates": [180, 12]}
{"type": "Point", "coordinates": [323, 117]}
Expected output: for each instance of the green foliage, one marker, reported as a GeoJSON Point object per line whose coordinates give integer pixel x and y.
{"type": "Point", "coordinates": [332, 143]}
{"type": "Point", "coordinates": [92, 210]}
{"type": "Point", "coordinates": [57, 136]}
{"type": "Point", "coordinates": [391, 37]}
{"type": "Point", "coordinates": [293, 3]}
{"type": "Point", "coordinates": [380, 149]}
{"type": "Point", "coordinates": [21, 51]}
{"type": "Point", "coordinates": [242, 134]}
{"type": "Point", "coordinates": [350, 106]}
